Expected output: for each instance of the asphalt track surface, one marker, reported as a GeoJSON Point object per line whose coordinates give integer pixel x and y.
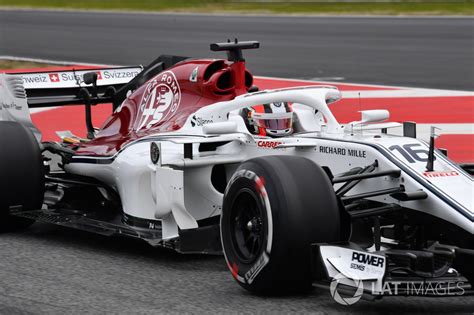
{"type": "Point", "coordinates": [422, 52]}
{"type": "Point", "coordinates": [52, 270]}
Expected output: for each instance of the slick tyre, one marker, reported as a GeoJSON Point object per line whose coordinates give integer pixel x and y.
{"type": "Point", "coordinates": [274, 208]}
{"type": "Point", "coordinates": [21, 175]}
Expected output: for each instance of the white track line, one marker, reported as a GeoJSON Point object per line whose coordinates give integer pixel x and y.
{"type": "Point", "coordinates": [236, 14]}
{"type": "Point", "coordinates": [41, 109]}
{"type": "Point", "coordinates": [446, 129]}
{"type": "Point", "coordinates": [423, 130]}
{"type": "Point", "coordinates": [414, 92]}
{"type": "Point", "coordinates": [56, 62]}
{"type": "Point", "coordinates": [355, 84]}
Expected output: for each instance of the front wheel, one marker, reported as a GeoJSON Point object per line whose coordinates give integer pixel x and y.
{"type": "Point", "coordinates": [274, 208]}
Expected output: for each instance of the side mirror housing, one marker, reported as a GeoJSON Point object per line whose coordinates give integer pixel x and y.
{"type": "Point", "coordinates": [374, 115]}
{"type": "Point", "coordinates": [220, 128]}
{"type": "Point", "coordinates": [90, 78]}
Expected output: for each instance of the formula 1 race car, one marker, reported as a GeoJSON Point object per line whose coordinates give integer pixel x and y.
{"type": "Point", "coordinates": [182, 163]}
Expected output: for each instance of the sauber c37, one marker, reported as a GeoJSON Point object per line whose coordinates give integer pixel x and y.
{"type": "Point", "coordinates": [176, 166]}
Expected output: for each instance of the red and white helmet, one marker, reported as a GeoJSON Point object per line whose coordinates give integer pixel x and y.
{"type": "Point", "coordinates": [274, 119]}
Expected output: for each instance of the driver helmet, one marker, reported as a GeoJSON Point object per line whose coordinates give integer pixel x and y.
{"type": "Point", "coordinates": [273, 119]}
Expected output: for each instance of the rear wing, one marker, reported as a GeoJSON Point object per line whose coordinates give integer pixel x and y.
{"type": "Point", "coordinates": [67, 87]}
{"type": "Point", "coordinates": [53, 88]}
{"type": "Point", "coordinates": [21, 91]}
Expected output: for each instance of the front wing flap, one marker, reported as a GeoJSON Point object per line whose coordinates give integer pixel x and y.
{"type": "Point", "coordinates": [348, 269]}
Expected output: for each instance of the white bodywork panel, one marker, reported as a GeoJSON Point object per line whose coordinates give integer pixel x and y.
{"type": "Point", "coordinates": [169, 185]}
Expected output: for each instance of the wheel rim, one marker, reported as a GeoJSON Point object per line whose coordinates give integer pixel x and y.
{"type": "Point", "coordinates": [247, 225]}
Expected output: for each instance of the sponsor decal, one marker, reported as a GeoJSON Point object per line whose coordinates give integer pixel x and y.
{"type": "Point", "coordinates": [53, 77]}
{"type": "Point", "coordinates": [242, 173]}
{"type": "Point", "coordinates": [35, 79]}
{"type": "Point", "coordinates": [154, 153]}
{"type": "Point", "coordinates": [10, 106]}
{"type": "Point", "coordinates": [376, 261]}
{"type": "Point", "coordinates": [141, 223]}
{"type": "Point", "coordinates": [261, 262]}
{"type": "Point", "coordinates": [67, 76]}
{"type": "Point", "coordinates": [343, 151]}
{"type": "Point", "coordinates": [268, 144]}
{"type": "Point", "coordinates": [65, 79]}
{"type": "Point", "coordinates": [198, 121]}
{"type": "Point", "coordinates": [194, 74]}
{"type": "Point", "coordinates": [154, 226]}
{"type": "Point", "coordinates": [115, 74]}
{"type": "Point", "coordinates": [105, 74]}
{"type": "Point", "coordinates": [160, 100]}
{"type": "Point", "coordinates": [365, 262]}
{"type": "Point", "coordinates": [441, 174]}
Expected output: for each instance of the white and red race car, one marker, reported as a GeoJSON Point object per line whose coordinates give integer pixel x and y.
{"type": "Point", "coordinates": [176, 165]}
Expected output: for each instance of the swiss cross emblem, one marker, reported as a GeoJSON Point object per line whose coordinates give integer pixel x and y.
{"type": "Point", "coordinates": [53, 77]}
{"type": "Point", "coordinates": [99, 75]}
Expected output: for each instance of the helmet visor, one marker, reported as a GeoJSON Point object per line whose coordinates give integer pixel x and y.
{"type": "Point", "coordinates": [274, 123]}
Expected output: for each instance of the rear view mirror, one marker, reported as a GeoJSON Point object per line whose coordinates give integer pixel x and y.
{"type": "Point", "coordinates": [217, 128]}
{"type": "Point", "coordinates": [90, 78]}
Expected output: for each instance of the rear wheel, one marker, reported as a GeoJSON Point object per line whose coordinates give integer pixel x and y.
{"type": "Point", "coordinates": [274, 208]}
{"type": "Point", "coordinates": [21, 174]}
